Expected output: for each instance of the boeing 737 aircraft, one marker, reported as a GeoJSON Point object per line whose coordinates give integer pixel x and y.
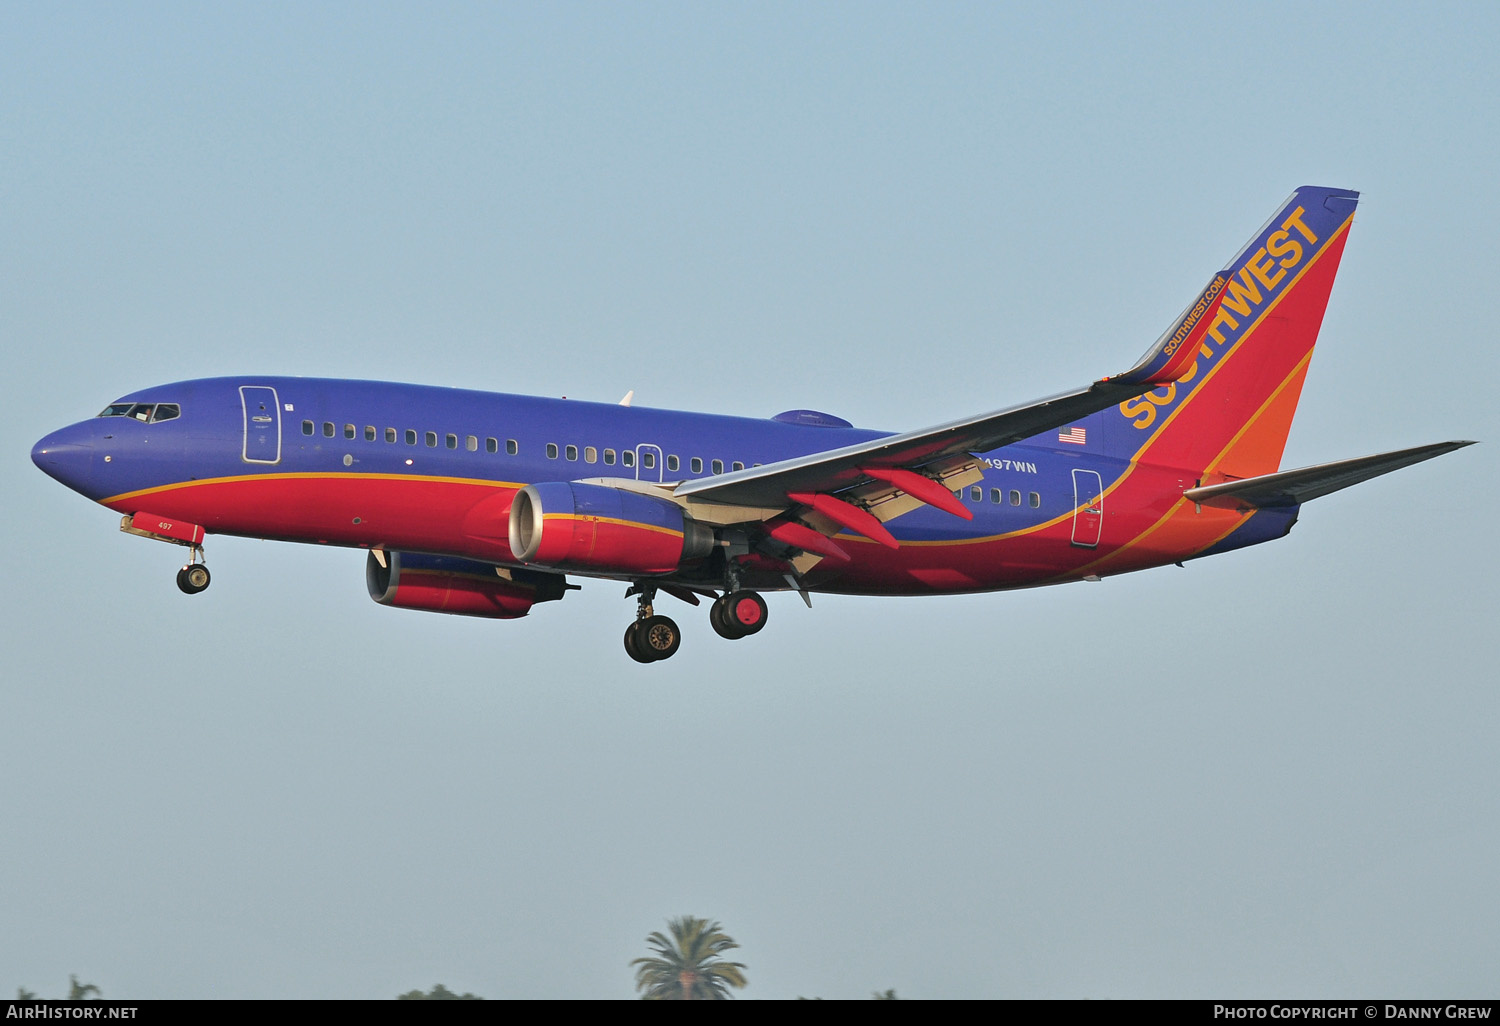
{"type": "Point", "coordinates": [482, 504]}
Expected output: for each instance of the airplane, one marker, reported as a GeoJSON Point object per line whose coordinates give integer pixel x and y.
{"type": "Point", "coordinates": [484, 504]}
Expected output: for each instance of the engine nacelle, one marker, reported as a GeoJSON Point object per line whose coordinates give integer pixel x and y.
{"type": "Point", "coordinates": [608, 530]}
{"type": "Point", "coordinates": [441, 584]}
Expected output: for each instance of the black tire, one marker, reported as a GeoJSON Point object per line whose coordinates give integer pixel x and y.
{"type": "Point", "coordinates": [632, 633]}
{"type": "Point", "coordinates": [193, 578]}
{"type": "Point", "coordinates": [718, 619]}
{"type": "Point", "coordinates": [659, 637]}
{"type": "Point", "coordinates": [745, 612]}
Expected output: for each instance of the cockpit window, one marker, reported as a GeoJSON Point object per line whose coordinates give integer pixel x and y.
{"type": "Point", "coordinates": [146, 413]}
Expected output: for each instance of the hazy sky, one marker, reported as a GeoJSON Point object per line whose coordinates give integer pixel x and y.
{"type": "Point", "coordinates": [1272, 773]}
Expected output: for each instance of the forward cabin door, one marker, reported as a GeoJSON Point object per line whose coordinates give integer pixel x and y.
{"type": "Point", "coordinates": [262, 424]}
{"type": "Point", "coordinates": [1088, 508]}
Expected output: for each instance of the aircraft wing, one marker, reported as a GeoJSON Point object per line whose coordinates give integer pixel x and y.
{"type": "Point", "coordinates": [839, 469]}
{"type": "Point", "coordinates": [1293, 487]}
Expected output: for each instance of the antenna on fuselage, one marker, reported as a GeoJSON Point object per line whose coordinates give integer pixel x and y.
{"type": "Point", "coordinates": [628, 396]}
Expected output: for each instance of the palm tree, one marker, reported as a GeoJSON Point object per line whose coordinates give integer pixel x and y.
{"type": "Point", "coordinates": [80, 991]}
{"type": "Point", "coordinates": [687, 967]}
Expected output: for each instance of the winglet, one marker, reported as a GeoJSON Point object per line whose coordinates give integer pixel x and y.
{"type": "Point", "coordinates": [1176, 350]}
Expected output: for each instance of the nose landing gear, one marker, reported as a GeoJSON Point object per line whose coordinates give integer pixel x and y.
{"type": "Point", "coordinates": [193, 578]}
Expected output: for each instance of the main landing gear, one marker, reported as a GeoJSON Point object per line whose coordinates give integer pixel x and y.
{"type": "Point", "coordinates": [194, 577]}
{"type": "Point", "coordinates": [733, 615]}
{"type": "Point", "coordinates": [737, 614]}
{"type": "Point", "coordinates": [650, 637]}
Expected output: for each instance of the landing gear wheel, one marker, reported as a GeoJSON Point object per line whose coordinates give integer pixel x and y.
{"type": "Point", "coordinates": [718, 619]}
{"type": "Point", "coordinates": [738, 614]}
{"type": "Point", "coordinates": [632, 645]}
{"type": "Point", "coordinates": [193, 578]}
{"type": "Point", "coordinates": [656, 637]}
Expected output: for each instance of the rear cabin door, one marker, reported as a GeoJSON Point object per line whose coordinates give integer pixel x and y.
{"type": "Point", "coordinates": [262, 424]}
{"type": "Point", "coordinates": [1088, 508]}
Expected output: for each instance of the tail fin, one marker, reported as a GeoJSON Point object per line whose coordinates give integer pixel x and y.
{"type": "Point", "coordinates": [1228, 414]}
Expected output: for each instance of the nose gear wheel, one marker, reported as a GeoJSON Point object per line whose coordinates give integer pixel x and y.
{"type": "Point", "coordinates": [193, 578]}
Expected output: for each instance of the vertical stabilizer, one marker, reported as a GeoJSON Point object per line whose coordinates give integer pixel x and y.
{"type": "Point", "coordinates": [1228, 414]}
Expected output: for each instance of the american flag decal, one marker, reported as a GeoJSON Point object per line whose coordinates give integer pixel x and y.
{"type": "Point", "coordinates": [1075, 435]}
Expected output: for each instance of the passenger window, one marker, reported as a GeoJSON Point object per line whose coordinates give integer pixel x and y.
{"type": "Point", "coordinates": [718, 466]}
{"type": "Point", "coordinates": [976, 493]}
{"type": "Point", "coordinates": [996, 495]}
{"type": "Point", "coordinates": [672, 463]}
{"type": "Point", "coordinates": [572, 453]}
{"type": "Point", "coordinates": [609, 457]}
{"type": "Point", "coordinates": [390, 434]}
{"type": "Point", "coordinates": [369, 432]}
{"type": "Point", "coordinates": [328, 429]}
{"type": "Point", "coordinates": [166, 411]}
{"type": "Point", "coordinates": [451, 441]}
{"type": "Point", "coordinates": [491, 445]}
{"type": "Point", "coordinates": [590, 454]}
{"type": "Point", "coordinates": [430, 438]}
{"type": "Point", "coordinates": [348, 430]}
{"type": "Point", "coordinates": [1015, 497]}
{"type": "Point", "coordinates": [512, 446]}
{"type": "Point", "coordinates": [738, 465]}
{"type": "Point", "coordinates": [552, 450]}
{"type": "Point", "coordinates": [471, 443]}
{"type": "Point", "coordinates": [307, 427]}
{"type": "Point", "coordinates": [1036, 500]}
{"type": "Point", "coordinates": [697, 465]}
{"type": "Point", "coordinates": [411, 437]}
{"type": "Point", "coordinates": [627, 458]}
{"type": "Point", "coordinates": [648, 460]}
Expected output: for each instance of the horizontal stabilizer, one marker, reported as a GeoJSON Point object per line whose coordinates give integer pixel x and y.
{"type": "Point", "coordinates": [1293, 487]}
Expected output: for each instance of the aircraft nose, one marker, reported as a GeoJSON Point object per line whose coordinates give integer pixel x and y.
{"type": "Point", "coordinates": [67, 455]}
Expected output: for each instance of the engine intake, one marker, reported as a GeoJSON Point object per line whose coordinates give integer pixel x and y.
{"type": "Point", "coordinates": [598, 528]}
{"type": "Point", "coordinates": [441, 584]}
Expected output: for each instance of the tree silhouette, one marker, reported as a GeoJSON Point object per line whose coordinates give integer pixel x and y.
{"type": "Point", "coordinates": [688, 967]}
{"type": "Point", "coordinates": [80, 991]}
{"type": "Point", "coordinates": [438, 993]}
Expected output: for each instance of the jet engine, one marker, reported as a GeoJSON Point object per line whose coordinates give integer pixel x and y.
{"type": "Point", "coordinates": [442, 584]}
{"type": "Point", "coordinates": [595, 528]}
